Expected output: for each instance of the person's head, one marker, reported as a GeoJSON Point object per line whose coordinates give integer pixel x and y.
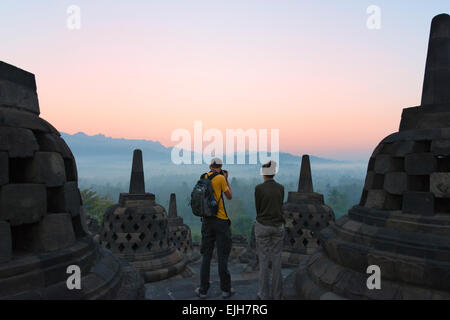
{"type": "Point", "coordinates": [216, 165]}
{"type": "Point", "coordinates": [268, 170]}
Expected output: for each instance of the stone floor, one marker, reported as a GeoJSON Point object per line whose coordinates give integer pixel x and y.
{"type": "Point", "coordinates": [179, 288]}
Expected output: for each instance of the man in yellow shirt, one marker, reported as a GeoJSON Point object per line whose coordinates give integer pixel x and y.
{"type": "Point", "coordinates": [216, 231]}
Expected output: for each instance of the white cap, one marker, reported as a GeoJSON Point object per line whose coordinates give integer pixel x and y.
{"type": "Point", "coordinates": [271, 170]}
{"type": "Point", "coordinates": [216, 161]}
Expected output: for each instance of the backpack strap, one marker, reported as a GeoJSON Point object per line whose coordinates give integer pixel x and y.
{"type": "Point", "coordinates": [210, 177]}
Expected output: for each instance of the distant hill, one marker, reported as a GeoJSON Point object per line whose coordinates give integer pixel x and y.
{"type": "Point", "coordinates": [97, 146]}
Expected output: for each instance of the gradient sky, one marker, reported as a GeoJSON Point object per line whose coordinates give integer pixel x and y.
{"type": "Point", "coordinates": [141, 69]}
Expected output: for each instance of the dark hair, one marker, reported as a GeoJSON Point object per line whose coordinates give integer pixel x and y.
{"type": "Point", "coordinates": [267, 165]}
{"type": "Point", "coordinates": [270, 176]}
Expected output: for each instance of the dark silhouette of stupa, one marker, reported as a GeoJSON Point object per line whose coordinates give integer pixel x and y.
{"type": "Point", "coordinates": [306, 214]}
{"type": "Point", "coordinates": [402, 224]}
{"type": "Point", "coordinates": [180, 233]}
{"type": "Point", "coordinates": [42, 225]}
{"type": "Point", "coordinates": [136, 229]}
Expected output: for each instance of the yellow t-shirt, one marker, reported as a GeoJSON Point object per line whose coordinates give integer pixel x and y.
{"type": "Point", "coordinates": [219, 185]}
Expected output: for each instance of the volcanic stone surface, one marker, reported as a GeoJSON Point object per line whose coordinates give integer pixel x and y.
{"type": "Point", "coordinates": [42, 229]}
{"type": "Point", "coordinates": [402, 223]}
{"type": "Point", "coordinates": [137, 230]}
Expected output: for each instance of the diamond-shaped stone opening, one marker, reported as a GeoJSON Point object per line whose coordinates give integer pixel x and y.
{"type": "Point", "coordinates": [155, 235]}
{"type": "Point", "coordinates": [292, 241]}
{"type": "Point", "coordinates": [142, 236]}
{"type": "Point", "coordinates": [149, 226]}
{"type": "Point", "coordinates": [114, 236]}
{"type": "Point", "coordinates": [305, 242]}
{"type": "Point", "coordinates": [136, 227]}
{"type": "Point", "coordinates": [130, 218]}
{"type": "Point", "coordinates": [149, 246]}
{"type": "Point", "coordinates": [128, 237]}
{"type": "Point", "coordinates": [299, 232]}
{"type": "Point", "coordinates": [121, 247]}
{"type": "Point", "coordinates": [134, 247]}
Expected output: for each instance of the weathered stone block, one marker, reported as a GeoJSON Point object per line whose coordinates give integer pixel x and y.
{"type": "Point", "coordinates": [440, 184]}
{"type": "Point", "coordinates": [17, 75]}
{"type": "Point", "coordinates": [440, 147]}
{"type": "Point", "coordinates": [53, 232]}
{"type": "Point", "coordinates": [18, 96]}
{"type": "Point", "coordinates": [5, 242]}
{"type": "Point", "coordinates": [421, 203]}
{"type": "Point", "coordinates": [19, 143]}
{"type": "Point", "coordinates": [420, 163]}
{"type": "Point", "coordinates": [375, 199]}
{"type": "Point", "coordinates": [4, 168]}
{"type": "Point", "coordinates": [47, 168]}
{"type": "Point", "coordinates": [395, 182]}
{"type": "Point", "coordinates": [385, 163]}
{"type": "Point", "coordinates": [23, 203]}
{"type": "Point", "coordinates": [72, 198]}
{"type": "Point", "coordinates": [51, 142]}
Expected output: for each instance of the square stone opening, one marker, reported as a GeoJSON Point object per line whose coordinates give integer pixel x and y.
{"type": "Point", "coordinates": [371, 165]}
{"type": "Point", "coordinates": [419, 183]}
{"type": "Point", "coordinates": [398, 164]}
{"type": "Point", "coordinates": [17, 169]}
{"type": "Point", "coordinates": [55, 200]}
{"type": "Point", "coordinates": [363, 198]}
{"type": "Point", "coordinates": [442, 205]}
{"type": "Point", "coordinates": [378, 181]}
{"type": "Point", "coordinates": [18, 238]}
{"type": "Point", "coordinates": [422, 146]}
{"type": "Point", "coordinates": [393, 202]}
{"type": "Point", "coordinates": [443, 164]}
{"type": "Point", "coordinates": [70, 169]}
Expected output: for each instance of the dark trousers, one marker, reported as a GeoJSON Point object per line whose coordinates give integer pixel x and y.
{"type": "Point", "coordinates": [215, 231]}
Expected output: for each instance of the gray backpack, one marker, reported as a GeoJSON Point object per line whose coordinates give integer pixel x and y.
{"type": "Point", "coordinates": [203, 203]}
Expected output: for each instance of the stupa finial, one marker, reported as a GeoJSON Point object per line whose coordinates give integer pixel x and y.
{"type": "Point", "coordinates": [137, 184]}
{"type": "Point", "coordinates": [305, 182]}
{"type": "Point", "coordinates": [436, 84]}
{"type": "Point", "coordinates": [173, 206]}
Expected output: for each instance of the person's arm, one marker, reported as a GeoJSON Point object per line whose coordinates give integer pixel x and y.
{"type": "Point", "coordinates": [257, 201]}
{"type": "Point", "coordinates": [228, 193]}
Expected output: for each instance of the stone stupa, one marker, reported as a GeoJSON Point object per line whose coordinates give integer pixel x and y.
{"type": "Point", "coordinates": [306, 214]}
{"type": "Point", "coordinates": [179, 233]}
{"type": "Point", "coordinates": [42, 228]}
{"type": "Point", "coordinates": [402, 224]}
{"type": "Point", "coordinates": [136, 230]}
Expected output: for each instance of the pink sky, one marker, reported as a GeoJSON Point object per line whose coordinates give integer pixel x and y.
{"type": "Point", "coordinates": [332, 90]}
